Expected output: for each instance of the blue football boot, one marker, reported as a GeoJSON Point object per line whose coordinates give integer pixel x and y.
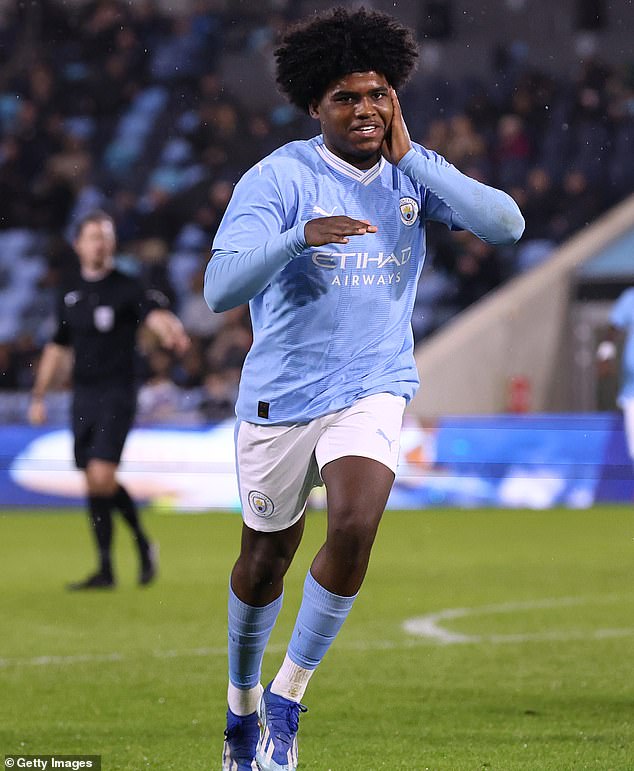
{"type": "Point", "coordinates": [279, 721]}
{"type": "Point", "coordinates": [241, 738]}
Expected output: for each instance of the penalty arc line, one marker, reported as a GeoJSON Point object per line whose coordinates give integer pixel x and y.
{"type": "Point", "coordinates": [423, 630]}
{"type": "Point", "coordinates": [429, 626]}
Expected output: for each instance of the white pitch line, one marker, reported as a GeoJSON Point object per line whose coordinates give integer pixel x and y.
{"type": "Point", "coordinates": [88, 658]}
{"type": "Point", "coordinates": [80, 658]}
{"type": "Point", "coordinates": [424, 630]}
{"type": "Point", "coordinates": [430, 626]}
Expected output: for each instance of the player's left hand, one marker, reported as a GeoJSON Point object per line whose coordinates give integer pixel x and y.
{"type": "Point", "coordinates": [397, 140]}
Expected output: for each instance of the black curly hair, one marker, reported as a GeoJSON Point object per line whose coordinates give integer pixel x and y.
{"type": "Point", "coordinates": [314, 53]}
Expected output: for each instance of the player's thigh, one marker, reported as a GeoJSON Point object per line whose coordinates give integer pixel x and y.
{"type": "Point", "coordinates": [369, 428]}
{"type": "Point", "coordinates": [357, 490]}
{"type": "Point", "coordinates": [276, 472]}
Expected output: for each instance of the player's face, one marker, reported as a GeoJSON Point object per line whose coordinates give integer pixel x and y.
{"type": "Point", "coordinates": [95, 246]}
{"type": "Point", "coordinates": [355, 112]}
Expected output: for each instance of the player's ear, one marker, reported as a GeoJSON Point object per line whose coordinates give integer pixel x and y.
{"type": "Point", "coordinates": [313, 109]}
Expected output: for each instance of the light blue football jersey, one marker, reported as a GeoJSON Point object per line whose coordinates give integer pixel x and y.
{"type": "Point", "coordinates": [332, 324]}
{"type": "Point", "coordinates": [622, 316]}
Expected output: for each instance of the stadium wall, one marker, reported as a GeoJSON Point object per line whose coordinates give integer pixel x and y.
{"type": "Point", "coordinates": [519, 333]}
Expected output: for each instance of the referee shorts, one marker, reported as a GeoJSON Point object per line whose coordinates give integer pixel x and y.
{"type": "Point", "coordinates": [279, 465]}
{"type": "Point", "coordinates": [101, 419]}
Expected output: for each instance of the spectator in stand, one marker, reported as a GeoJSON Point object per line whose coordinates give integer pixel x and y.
{"type": "Point", "coordinates": [99, 29]}
{"type": "Point", "coordinates": [437, 136]}
{"type": "Point", "coordinates": [477, 269]}
{"type": "Point", "coordinates": [232, 341]}
{"type": "Point", "coordinates": [189, 370]}
{"type": "Point", "coordinates": [218, 394]}
{"type": "Point", "coordinates": [540, 205]}
{"type": "Point", "coordinates": [579, 204]}
{"type": "Point", "coordinates": [159, 398]}
{"type": "Point", "coordinates": [15, 192]}
{"type": "Point", "coordinates": [38, 135]}
{"type": "Point", "coordinates": [464, 145]}
{"type": "Point", "coordinates": [43, 89]}
{"type": "Point", "coordinates": [512, 152]}
{"type": "Point", "coordinates": [8, 368]}
{"type": "Point", "coordinates": [198, 323]}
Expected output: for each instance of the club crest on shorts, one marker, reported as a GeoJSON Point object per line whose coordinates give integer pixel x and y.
{"type": "Point", "coordinates": [261, 504]}
{"type": "Point", "coordinates": [409, 210]}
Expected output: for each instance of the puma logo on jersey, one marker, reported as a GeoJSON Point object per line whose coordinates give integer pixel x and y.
{"type": "Point", "coordinates": [318, 210]}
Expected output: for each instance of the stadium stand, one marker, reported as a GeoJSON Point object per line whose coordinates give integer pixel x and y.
{"type": "Point", "coordinates": [154, 116]}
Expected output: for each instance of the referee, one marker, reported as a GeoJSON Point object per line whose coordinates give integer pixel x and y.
{"type": "Point", "coordinates": [98, 316]}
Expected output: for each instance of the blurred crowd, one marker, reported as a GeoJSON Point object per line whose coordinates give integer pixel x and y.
{"type": "Point", "coordinates": [152, 117]}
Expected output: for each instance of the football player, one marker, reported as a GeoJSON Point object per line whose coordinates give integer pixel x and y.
{"type": "Point", "coordinates": [325, 239]}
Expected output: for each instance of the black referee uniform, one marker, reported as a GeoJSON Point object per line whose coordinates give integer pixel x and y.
{"type": "Point", "coordinates": [99, 320]}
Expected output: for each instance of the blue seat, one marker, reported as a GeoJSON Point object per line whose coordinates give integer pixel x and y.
{"type": "Point", "coordinates": [9, 106]}
{"type": "Point", "coordinates": [150, 100]}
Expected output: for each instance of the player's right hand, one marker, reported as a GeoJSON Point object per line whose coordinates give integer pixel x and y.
{"type": "Point", "coordinates": [37, 412]}
{"type": "Point", "coordinates": [335, 230]}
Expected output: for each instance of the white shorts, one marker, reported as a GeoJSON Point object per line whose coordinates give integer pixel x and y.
{"type": "Point", "coordinates": [626, 403]}
{"type": "Point", "coordinates": [279, 465]}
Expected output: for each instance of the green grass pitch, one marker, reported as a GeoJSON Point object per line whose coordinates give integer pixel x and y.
{"type": "Point", "coordinates": [532, 665]}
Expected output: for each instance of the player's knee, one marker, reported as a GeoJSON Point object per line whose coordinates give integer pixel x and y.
{"type": "Point", "coordinates": [100, 490]}
{"type": "Point", "coordinates": [263, 567]}
{"type": "Point", "coordinates": [352, 538]}
{"type": "Point", "coordinates": [100, 481]}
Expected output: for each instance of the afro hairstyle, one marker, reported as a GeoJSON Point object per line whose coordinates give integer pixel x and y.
{"type": "Point", "coordinates": [314, 53]}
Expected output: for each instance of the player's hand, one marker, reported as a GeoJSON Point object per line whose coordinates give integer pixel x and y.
{"type": "Point", "coordinates": [169, 330]}
{"type": "Point", "coordinates": [397, 141]}
{"type": "Point", "coordinates": [335, 230]}
{"type": "Point", "coordinates": [37, 412]}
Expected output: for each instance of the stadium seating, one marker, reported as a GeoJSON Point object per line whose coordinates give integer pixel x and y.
{"type": "Point", "coordinates": [161, 110]}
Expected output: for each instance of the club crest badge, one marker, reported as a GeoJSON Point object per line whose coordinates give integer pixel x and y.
{"type": "Point", "coordinates": [261, 504]}
{"type": "Point", "coordinates": [409, 210]}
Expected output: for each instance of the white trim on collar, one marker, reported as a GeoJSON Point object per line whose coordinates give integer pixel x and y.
{"type": "Point", "coordinates": [363, 176]}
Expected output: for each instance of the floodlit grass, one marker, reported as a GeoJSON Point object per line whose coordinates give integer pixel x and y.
{"type": "Point", "coordinates": [543, 679]}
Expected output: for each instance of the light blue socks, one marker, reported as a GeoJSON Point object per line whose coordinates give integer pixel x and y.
{"type": "Point", "coordinates": [319, 620]}
{"type": "Point", "coordinates": [249, 631]}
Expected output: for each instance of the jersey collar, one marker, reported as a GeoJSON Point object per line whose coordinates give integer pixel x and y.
{"type": "Point", "coordinates": [343, 167]}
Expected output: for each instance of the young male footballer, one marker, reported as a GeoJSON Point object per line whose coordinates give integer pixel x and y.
{"type": "Point", "coordinates": [326, 240]}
